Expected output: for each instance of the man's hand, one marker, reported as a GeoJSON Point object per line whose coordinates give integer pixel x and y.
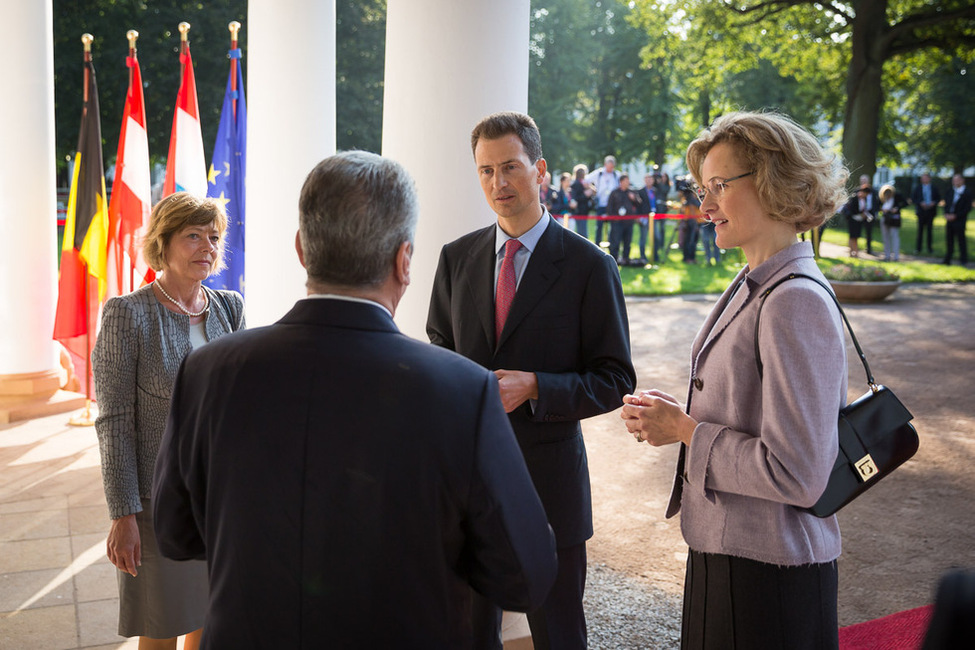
{"type": "Point", "coordinates": [125, 545]}
{"type": "Point", "coordinates": [516, 387]}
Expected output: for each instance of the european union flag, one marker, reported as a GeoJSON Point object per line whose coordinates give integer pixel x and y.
{"type": "Point", "coordinates": [225, 180]}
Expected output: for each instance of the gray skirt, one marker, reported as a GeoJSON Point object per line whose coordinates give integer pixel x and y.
{"type": "Point", "coordinates": [167, 598]}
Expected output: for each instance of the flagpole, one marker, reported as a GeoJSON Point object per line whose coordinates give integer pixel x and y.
{"type": "Point", "coordinates": [84, 419]}
{"type": "Point", "coordinates": [184, 43]}
{"type": "Point", "coordinates": [133, 36]}
{"type": "Point", "coordinates": [234, 27]}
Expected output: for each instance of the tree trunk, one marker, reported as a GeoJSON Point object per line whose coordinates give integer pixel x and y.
{"type": "Point", "coordinates": [865, 97]}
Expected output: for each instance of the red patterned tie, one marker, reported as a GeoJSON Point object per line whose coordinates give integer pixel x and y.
{"type": "Point", "coordinates": [506, 287]}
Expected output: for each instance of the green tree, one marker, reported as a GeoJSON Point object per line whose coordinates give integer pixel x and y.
{"type": "Point", "coordinates": [946, 137]}
{"type": "Point", "coordinates": [847, 42]}
{"type": "Point", "coordinates": [360, 35]}
{"type": "Point", "coordinates": [589, 89]}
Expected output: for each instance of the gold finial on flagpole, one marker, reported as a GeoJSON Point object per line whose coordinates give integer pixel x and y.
{"type": "Point", "coordinates": [86, 40]}
{"type": "Point", "coordinates": [133, 36]}
{"type": "Point", "coordinates": [234, 27]}
{"type": "Point", "coordinates": [184, 29]}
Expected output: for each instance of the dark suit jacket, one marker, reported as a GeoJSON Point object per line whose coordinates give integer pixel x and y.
{"type": "Point", "coordinates": [618, 199]}
{"type": "Point", "coordinates": [347, 485]}
{"type": "Point", "coordinates": [959, 208]}
{"type": "Point", "coordinates": [568, 325]}
{"type": "Point", "coordinates": [852, 206]}
{"type": "Point", "coordinates": [917, 197]}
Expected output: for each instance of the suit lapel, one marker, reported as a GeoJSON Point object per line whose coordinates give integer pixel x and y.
{"type": "Point", "coordinates": [540, 274]}
{"type": "Point", "coordinates": [479, 276]}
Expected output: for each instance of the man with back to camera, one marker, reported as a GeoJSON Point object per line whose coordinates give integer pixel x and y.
{"type": "Point", "coordinates": [347, 484]}
{"type": "Point", "coordinates": [560, 347]}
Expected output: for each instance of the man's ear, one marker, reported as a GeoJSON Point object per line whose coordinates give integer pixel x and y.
{"type": "Point", "coordinates": [542, 167]}
{"type": "Point", "coordinates": [404, 256]}
{"type": "Point", "coordinates": [298, 249]}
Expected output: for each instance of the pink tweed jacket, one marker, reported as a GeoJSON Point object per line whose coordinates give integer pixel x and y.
{"type": "Point", "coordinates": [764, 448]}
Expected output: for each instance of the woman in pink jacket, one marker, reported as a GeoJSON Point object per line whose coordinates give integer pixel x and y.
{"type": "Point", "coordinates": [757, 449]}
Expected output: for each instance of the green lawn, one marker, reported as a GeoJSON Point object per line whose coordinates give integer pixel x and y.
{"type": "Point", "coordinates": [674, 277]}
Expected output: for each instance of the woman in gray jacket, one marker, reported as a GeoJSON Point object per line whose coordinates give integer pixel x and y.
{"type": "Point", "coordinates": [758, 449]}
{"type": "Point", "coordinates": [144, 337]}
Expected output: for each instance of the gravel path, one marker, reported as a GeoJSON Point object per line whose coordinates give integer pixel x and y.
{"type": "Point", "coordinates": [624, 612]}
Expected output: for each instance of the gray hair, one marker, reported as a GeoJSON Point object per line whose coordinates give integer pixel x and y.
{"type": "Point", "coordinates": [355, 210]}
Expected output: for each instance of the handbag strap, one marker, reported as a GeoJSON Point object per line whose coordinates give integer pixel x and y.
{"type": "Point", "coordinates": [829, 291]}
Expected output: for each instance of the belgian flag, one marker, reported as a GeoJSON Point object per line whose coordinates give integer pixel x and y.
{"type": "Point", "coordinates": [83, 273]}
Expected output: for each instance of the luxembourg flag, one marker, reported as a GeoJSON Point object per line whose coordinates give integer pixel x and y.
{"type": "Point", "coordinates": [186, 169]}
{"type": "Point", "coordinates": [128, 213]}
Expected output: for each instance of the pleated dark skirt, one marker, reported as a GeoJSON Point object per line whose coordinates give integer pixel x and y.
{"type": "Point", "coordinates": [731, 603]}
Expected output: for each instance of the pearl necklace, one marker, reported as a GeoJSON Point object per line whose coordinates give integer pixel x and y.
{"type": "Point", "coordinates": [206, 302]}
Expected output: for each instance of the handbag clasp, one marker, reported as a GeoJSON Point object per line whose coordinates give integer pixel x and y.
{"type": "Point", "coordinates": [867, 468]}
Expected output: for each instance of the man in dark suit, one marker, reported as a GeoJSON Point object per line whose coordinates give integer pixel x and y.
{"type": "Point", "coordinates": [957, 206]}
{"type": "Point", "coordinates": [870, 203]}
{"type": "Point", "coordinates": [925, 198]}
{"type": "Point", "coordinates": [346, 484]}
{"type": "Point", "coordinates": [560, 347]}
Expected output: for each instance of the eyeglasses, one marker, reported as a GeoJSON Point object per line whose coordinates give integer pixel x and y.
{"type": "Point", "coordinates": [716, 186]}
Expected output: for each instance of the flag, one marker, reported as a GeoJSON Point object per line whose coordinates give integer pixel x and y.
{"type": "Point", "coordinates": [83, 274]}
{"type": "Point", "coordinates": [185, 167]}
{"type": "Point", "coordinates": [128, 212]}
{"type": "Point", "coordinates": [227, 174]}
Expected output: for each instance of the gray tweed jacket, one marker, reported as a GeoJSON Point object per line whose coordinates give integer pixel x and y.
{"type": "Point", "coordinates": [140, 347]}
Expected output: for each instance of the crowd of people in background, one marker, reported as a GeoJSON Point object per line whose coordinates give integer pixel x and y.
{"type": "Point", "coordinates": [869, 207]}
{"type": "Point", "coordinates": [608, 196]}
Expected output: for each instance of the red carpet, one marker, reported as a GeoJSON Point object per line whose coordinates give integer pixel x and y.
{"type": "Point", "coordinates": [901, 631]}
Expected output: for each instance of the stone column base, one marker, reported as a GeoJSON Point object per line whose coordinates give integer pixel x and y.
{"type": "Point", "coordinates": [33, 395]}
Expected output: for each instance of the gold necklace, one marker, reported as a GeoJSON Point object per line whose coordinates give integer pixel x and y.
{"type": "Point", "coordinates": [206, 302]}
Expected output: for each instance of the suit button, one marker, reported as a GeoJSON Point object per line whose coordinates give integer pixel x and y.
{"type": "Point", "coordinates": [698, 383]}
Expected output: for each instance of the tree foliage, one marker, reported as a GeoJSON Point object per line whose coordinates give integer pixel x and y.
{"type": "Point", "coordinates": [360, 34]}
{"type": "Point", "coordinates": [844, 50]}
{"type": "Point", "coordinates": [589, 90]}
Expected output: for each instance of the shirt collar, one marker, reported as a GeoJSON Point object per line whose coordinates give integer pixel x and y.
{"type": "Point", "coordinates": [364, 301]}
{"type": "Point", "coordinates": [529, 240]}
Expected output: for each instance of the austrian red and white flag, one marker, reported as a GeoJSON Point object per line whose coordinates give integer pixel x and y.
{"type": "Point", "coordinates": [185, 167]}
{"type": "Point", "coordinates": [128, 212]}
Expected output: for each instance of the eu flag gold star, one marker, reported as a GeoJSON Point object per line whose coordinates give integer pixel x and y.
{"type": "Point", "coordinates": [222, 200]}
{"type": "Point", "coordinates": [212, 175]}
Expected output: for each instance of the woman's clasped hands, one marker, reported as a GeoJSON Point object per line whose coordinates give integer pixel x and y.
{"type": "Point", "coordinates": [658, 418]}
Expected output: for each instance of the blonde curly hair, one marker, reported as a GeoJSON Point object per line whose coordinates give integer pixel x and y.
{"type": "Point", "coordinates": [797, 181]}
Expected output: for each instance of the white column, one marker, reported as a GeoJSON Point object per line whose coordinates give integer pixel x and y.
{"type": "Point", "coordinates": [290, 77]}
{"type": "Point", "coordinates": [28, 204]}
{"type": "Point", "coordinates": [448, 64]}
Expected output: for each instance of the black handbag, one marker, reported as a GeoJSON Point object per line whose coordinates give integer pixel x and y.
{"type": "Point", "coordinates": [875, 432]}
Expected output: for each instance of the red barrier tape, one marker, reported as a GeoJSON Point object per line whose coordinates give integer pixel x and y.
{"type": "Point", "coordinates": [657, 216]}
